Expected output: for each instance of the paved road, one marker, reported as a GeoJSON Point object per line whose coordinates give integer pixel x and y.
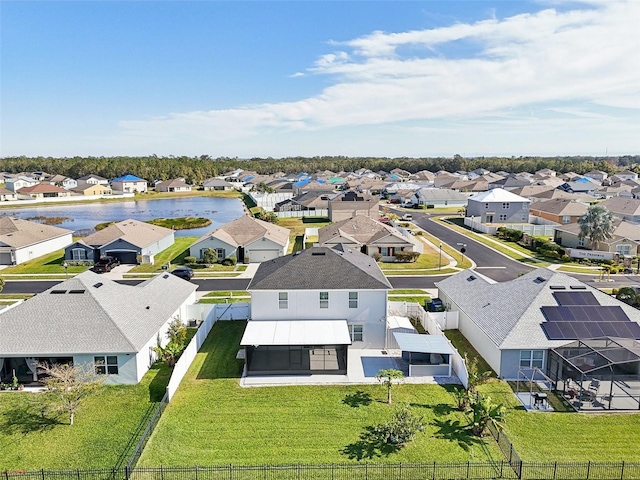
{"type": "Point", "coordinates": [489, 262]}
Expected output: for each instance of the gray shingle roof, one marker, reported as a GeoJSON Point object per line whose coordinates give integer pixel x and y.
{"type": "Point", "coordinates": [245, 230]}
{"type": "Point", "coordinates": [101, 317]}
{"type": "Point", "coordinates": [320, 268]}
{"type": "Point", "coordinates": [360, 229]}
{"type": "Point", "coordinates": [140, 234]}
{"type": "Point", "coordinates": [509, 312]}
{"type": "Point", "coordinates": [20, 233]}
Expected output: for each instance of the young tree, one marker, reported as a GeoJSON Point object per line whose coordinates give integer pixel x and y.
{"type": "Point", "coordinates": [476, 377]}
{"type": "Point", "coordinates": [68, 385]}
{"type": "Point", "coordinates": [483, 412]}
{"type": "Point", "coordinates": [209, 256]}
{"type": "Point", "coordinates": [386, 377]}
{"type": "Point", "coordinates": [177, 335]}
{"type": "Point", "coordinates": [596, 225]}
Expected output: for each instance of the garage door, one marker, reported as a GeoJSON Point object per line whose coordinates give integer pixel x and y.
{"type": "Point", "coordinates": [5, 258]}
{"type": "Point", "coordinates": [124, 257]}
{"type": "Point", "coordinates": [261, 255]}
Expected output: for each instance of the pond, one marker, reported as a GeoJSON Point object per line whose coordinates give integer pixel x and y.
{"type": "Point", "coordinates": [84, 217]}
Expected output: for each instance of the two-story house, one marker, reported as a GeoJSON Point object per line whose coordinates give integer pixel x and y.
{"type": "Point", "coordinates": [129, 184]}
{"type": "Point", "coordinates": [308, 308]}
{"type": "Point", "coordinates": [498, 206]}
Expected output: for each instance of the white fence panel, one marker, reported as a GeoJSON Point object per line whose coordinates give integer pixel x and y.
{"type": "Point", "coordinates": [232, 311]}
{"type": "Point", "coordinates": [319, 212]}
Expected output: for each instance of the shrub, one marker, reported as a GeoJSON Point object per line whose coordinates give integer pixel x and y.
{"type": "Point", "coordinates": [402, 428]}
{"type": "Point", "coordinates": [190, 260]}
{"type": "Point", "coordinates": [565, 258]}
{"type": "Point", "coordinates": [377, 257]}
{"type": "Point", "coordinates": [209, 256]}
{"type": "Point", "coordinates": [419, 206]}
{"type": "Point", "coordinates": [431, 206]}
{"type": "Point", "coordinates": [229, 261]}
{"type": "Point", "coordinates": [406, 257]}
{"type": "Point", "coordinates": [509, 234]}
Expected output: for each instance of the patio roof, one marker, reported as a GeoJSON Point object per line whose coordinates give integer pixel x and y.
{"type": "Point", "coordinates": [417, 343]}
{"type": "Point", "coordinates": [296, 332]}
{"type": "Point", "coordinates": [588, 355]}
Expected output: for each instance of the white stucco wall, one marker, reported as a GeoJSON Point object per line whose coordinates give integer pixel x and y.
{"type": "Point", "coordinates": [159, 246]}
{"type": "Point", "coordinates": [305, 305]}
{"type": "Point", "coordinates": [37, 250]}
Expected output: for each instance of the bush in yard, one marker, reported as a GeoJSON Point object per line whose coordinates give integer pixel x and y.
{"type": "Point", "coordinates": [229, 261]}
{"type": "Point", "coordinates": [377, 256]}
{"type": "Point", "coordinates": [401, 428]}
{"type": "Point", "coordinates": [209, 256]}
{"type": "Point", "coordinates": [190, 260]}
{"type": "Point", "coordinates": [484, 412]}
{"type": "Point", "coordinates": [565, 258]}
{"type": "Point", "coordinates": [509, 234]}
{"type": "Point", "coordinates": [431, 206]}
{"type": "Point", "coordinates": [406, 257]}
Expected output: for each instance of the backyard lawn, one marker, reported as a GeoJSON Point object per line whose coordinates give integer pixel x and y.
{"type": "Point", "coordinates": [49, 264]}
{"type": "Point", "coordinates": [104, 425]}
{"type": "Point", "coordinates": [306, 424]}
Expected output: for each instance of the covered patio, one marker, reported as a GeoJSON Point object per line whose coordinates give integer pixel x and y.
{"type": "Point", "coordinates": [598, 374]}
{"type": "Point", "coordinates": [297, 347]}
{"type": "Point", "coordinates": [427, 355]}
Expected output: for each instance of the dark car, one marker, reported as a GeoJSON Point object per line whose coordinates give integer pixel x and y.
{"type": "Point", "coordinates": [435, 305]}
{"type": "Point", "coordinates": [184, 273]}
{"type": "Point", "coordinates": [105, 264]}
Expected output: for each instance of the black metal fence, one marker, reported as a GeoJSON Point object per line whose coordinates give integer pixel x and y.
{"type": "Point", "coordinates": [146, 433]}
{"type": "Point", "coordinates": [506, 447]}
{"type": "Point", "coordinates": [359, 471]}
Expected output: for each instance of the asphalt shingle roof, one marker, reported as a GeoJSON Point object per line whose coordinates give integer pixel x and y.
{"type": "Point", "coordinates": [140, 234]}
{"type": "Point", "coordinates": [245, 230]}
{"type": "Point", "coordinates": [320, 268]}
{"type": "Point", "coordinates": [20, 233]}
{"type": "Point", "coordinates": [92, 314]}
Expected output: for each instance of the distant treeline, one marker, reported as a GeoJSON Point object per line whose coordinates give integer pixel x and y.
{"type": "Point", "coordinates": [197, 169]}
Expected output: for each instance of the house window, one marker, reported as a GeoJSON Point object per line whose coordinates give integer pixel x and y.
{"type": "Point", "coordinates": [502, 218]}
{"type": "Point", "coordinates": [353, 299]}
{"type": "Point", "coordinates": [78, 254]}
{"type": "Point", "coordinates": [324, 299]}
{"type": "Point", "coordinates": [283, 300]}
{"type": "Point", "coordinates": [581, 242]}
{"type": "Point", "coordinates": [387, 251]}
{"type": "Point", "coordinates": [106, 365]}
{"type": "Point", "coordinates": [623, 249]}
{"type": "Point", "coordinates": [566, 219]}
{"type": "Point", "coordinates": [355, 332]}
{"type": "Point", "coordinates": [220, 253]}
{"type": "Point", "coordinates": [486, 205]}
{"type": "Point", "coordinates": [505, 205]}
{"type": "Point", "coordinates": [531, 358]}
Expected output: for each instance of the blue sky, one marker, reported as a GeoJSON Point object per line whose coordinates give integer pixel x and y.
{"type": "Point", "coordinates": [271, 78]}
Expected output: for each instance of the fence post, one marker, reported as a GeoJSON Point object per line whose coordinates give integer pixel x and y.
{"type": "Point", "coordinates": [622, 471]}
{"type": "Point", "coordinates": [588, 469]}
{"type": "Point", "coordinates": [555, 469]}
{"type": "Point", "coordinates": [43, 474]}
{"type": "Point", "coordinates": [127, 471]}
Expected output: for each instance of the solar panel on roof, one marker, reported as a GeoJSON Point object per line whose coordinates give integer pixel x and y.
{"type": "Point", "coordinates": [575, 298]}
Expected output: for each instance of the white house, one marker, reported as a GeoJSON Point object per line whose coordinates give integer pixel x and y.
{"type": "Point", "coordinates": [498, 206]}
{"type": "Point", "coordinates": [93, 180]}
{"type": "Point", "coordinates": [16, 183]}
{"type": "Point", "coordinates": [307, 308]}
{"type": "Point", "coordinates": [22, 240]}
{"type": "Point", "coordinates": [245, 238]}
{"type": "Point", "coordinates": [174, 185]}
{"type": "Point", "coordinates": [129, 184]}
{"type": "Point", "coordinates": [129, 241]}
{"type": "Point", "coordinates": [92, 320]}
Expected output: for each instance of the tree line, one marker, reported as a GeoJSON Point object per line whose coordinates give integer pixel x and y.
{"type": "Point", "coordinates": [197, 169]}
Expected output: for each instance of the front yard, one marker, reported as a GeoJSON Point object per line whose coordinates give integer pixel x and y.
{"type": "Point", "coordinates": [104, 425]}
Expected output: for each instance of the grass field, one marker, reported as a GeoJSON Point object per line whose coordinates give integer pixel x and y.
{"type": "Point", "coordinates": [104, 425]}
{"type": "Point", "coordinates": [307, 424]}
{"type": "Point", "coordinates": [50, 263]}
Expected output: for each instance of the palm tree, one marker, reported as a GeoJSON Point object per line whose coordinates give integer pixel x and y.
{"type": "Point", "coordinates": [386, 377]}
{"type": "Point", "coordinates": [596, 225]}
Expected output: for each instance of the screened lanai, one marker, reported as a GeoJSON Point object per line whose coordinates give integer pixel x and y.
{"type": "Point", "coordinates": [598, 374]}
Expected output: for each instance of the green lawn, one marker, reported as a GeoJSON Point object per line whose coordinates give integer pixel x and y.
{"type": "Point", "coordinates": [306, 424]}
{"type": "Point", "coordinates": [410, 299]}
{"type": "Point", "coordinates": [103, 427]}
{"type": "Point", "coordinates": [47, 264]}
{"type": "Point", "coordinates": [224, 300]}
{"type": "Point", "coordinates": [424, 261]}
{"type": "Point", "coordinates": [455, 254]}
{"type": "Point", "coordinates": [174, 254]}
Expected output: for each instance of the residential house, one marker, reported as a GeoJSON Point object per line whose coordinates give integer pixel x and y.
{"type": "Point", "coordinates": [559, 210]}
{"type": "Point", "coordinates": [247, 239]}
{"type": "Point", "coordinates": [92, 189]}
{"type": "Point", "coordinates": [440, 197]}
{"type": "Point", "coordinates": [368, 236]}
{"type": "Point", "coordinates": [625, 239]}
{"type": "Point", "coordinates": [311, 201]}
{"type": "Point", "coordinates": [510, 182]}
{"type": "Point", "coordinates": [22, 240]}
{"type": "Point", "coordinates": [584, 185]}
{"type": "Point", "coordinates": [16, 183]}
{"type": "Point", "coordinates": [498, 206]}
{"type": "Point", "coordinates": [130, 241]}
{"type": "Point", "coordinates": [93, 180]}
{"type": "Point", "coordinates": [349, 204]}
{"type": "Point", "coordinates": [43, 190]}
{"type": "Point", "coordinates": [176, 185]}
{"type": "Point", "coordinates": [546, 172]}
{"type": "Point", "coordinates": [309, 308]}
{"type": "Point", "coordinates": [217, 184]}
{"type": "Point", "coordinates": [508, 322]}
{"type": "Point", "coordinates": [128, 184]}
{"type": "Point", "coordinates": [597, 175]}
{"type": "Point", "coordinates": [91, 320]}
{"type": "Point", "coordinates": [7, 195]}
{"type": "Point", "coordinates": [626, 175]}
{"type": "Point", "coordinates": [64, 182]}
{"type": "Point", "coordinates": [626, 208]}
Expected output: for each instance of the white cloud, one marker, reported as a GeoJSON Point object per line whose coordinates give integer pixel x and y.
{"type": "Point", "coordinates": [583, 60]}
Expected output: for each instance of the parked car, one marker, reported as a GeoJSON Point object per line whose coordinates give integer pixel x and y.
{"type": "Point", "coordinates": [105, 264]}
{"type": "Point", "coordinates": [407, 216]}
{"type": "Point", "coordinates": [184, 273]}
{"type": "Point", "coordinates": [435, 305]}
